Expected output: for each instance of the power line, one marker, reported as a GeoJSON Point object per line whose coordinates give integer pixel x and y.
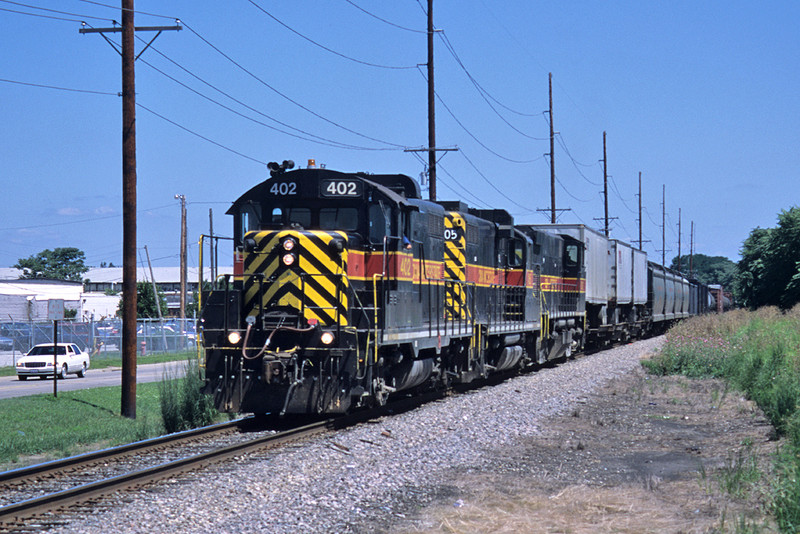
{"type": "Point", "coordinates": [483, 92]}
{"type": "Point", "coordinates": [382, 19]}
{"type": "Point", "coordinates": [204, 138]}
{"type": "Point", "coordinates": [284, 96]}
{"type": "Point", "coordinates": [334, 52]}
{"type": "Point", "coordinates": [492, 185]}
{"type": "Point", "coordinates": [310, 136]}
{"type": "Point", "coordinates": [29, 6]}
{"type": "Point", "coordinates": [117, 8]}
{"type": "Point", "coordinates": [38, 15]}
{"type": "Point", "coordinates": [72, 90]}
{"type": "Point", "coordinates": [463, 127]}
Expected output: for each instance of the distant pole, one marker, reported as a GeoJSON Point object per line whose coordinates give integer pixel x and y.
{"type": "Point", "coordinates": [680, 265]}
{"type": "Point", "coordinates": [552, 158]}
{"type": "Point", "coordinates": [182, 198]}
{"type": "Point", "coordinates": [605, 182]}
{"type": "Point", "coordinates": [640, 210]}
{"type": "Point", "coordinates": [431, 111]}
{"type": "Point", "coordinates": [211, 261]}
{"type": "Point", "coordinates": [155, 296]}
{"type": "Point", "coordinates": [663, 225]}
{"type": "Point", "coordinates": [128, 408]}
{"type": "Point", "coordinates": [691, 250]}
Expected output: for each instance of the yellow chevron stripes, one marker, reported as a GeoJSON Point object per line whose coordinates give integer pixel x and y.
{"type": "Point", "coordinates": [455, 266]}
{"type": "Point", "coordinates": [300, 270]}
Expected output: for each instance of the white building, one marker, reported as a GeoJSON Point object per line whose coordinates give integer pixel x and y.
{"type": "Point", "coordinates": [98, 297]}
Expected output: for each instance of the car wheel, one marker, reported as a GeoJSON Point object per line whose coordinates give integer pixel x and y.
{"type": "Point", "coordinates": [22, 377]}
{"type": "Point", "coordinates": [82, 372]}
{"type": "Point", "coordinates": [63, 373]}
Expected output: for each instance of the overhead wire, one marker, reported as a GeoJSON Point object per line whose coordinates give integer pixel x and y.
{"type": "Point", "coordinates": [204, 138]}
{"type": "Point", "coordinates": [327, 49]}
{"type": "Point", "coordinates": [309, 136]}
{"type": "Point", "coordinates": [473, 136]}
{"type": "Point", "coordinates": [284, 96]}
{"type": "Point", "coordinates": [483, 92]}
{"type": "Point", "coordinates": [390, 23]}
{"type": "Point", "coordinates": [29, 6]}
{"type": "Point", "coordinates": [133, 10]}
{"type": "Point", "coordinates": [55, 87]}
{"type": "Point", "coordinates": [502, 194]}
{"type": "Point", "coordinates": [575, 163]}
{"type": "Point", "coordinates": [40, 15]}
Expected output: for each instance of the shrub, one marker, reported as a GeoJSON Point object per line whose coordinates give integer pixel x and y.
{"type": "Point", "coordinates": [183, 405]}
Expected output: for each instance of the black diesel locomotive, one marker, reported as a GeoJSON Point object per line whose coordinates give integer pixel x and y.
{"type": "Point", "coordinates": [349, 287]}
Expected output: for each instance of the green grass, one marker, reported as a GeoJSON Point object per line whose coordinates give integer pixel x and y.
{"type": "Point", "coordinates": [757, 353]}
{"type": "Point", "coordinates": [114, 359]}
{"type": "Point", "coordinates": [40, 427]}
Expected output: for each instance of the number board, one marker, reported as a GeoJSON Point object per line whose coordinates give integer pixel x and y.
{"type": "Point", "coordinates": [284, 189]}
{"type": "Point", "coordinates": [340, 188]}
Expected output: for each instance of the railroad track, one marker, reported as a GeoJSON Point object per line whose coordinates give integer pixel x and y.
{"type": "Point", "coordinates": [47, 507]}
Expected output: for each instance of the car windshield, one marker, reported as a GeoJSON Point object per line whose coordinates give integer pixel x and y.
{"type": "Point", "coordinates": [46, 349]}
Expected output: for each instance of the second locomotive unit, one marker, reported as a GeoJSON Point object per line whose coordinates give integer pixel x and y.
{"type": "Point", "coordinates": [348, 287]}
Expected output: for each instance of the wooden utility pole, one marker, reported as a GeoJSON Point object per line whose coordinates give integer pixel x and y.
{"type": "Point", "coordinates": [128, 348]}
{"type": "Point", "coordinates": [680, 266]}
{"type": "Point", "coordinates": [663, 224]}
{"type": "Point", "coordinates": [212, 259]}
{"type": "Point", "coordinates": [128, 404]}
{"type": "Point", "coordinates": [691, 250]}
{"type": "Point", "coordinates": [552, 158]}
{"type": "Point", "coordinates": [182, 198]}
{"type": "Point", "coordinates": [605, 183]}
{"type": "Point", "coordinates": [431, 111]}
{"type": "Point", "coordinates": [640, 210]}
{"type": "Point", "coordinates": [431, 149]}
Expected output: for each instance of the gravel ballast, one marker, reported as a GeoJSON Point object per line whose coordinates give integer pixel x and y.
{"type": "Point", "coordinates": [367, 478]}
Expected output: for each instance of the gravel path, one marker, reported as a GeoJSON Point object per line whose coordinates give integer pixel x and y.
{"type": "Point", "coordinates": [368, 478]}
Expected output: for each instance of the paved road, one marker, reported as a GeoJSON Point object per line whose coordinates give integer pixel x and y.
{"type": "Point", "coordinates": [110, 376]}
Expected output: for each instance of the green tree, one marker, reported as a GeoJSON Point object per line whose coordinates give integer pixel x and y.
{"type": "Point", "coordinates": [59, 264]}
{"type": "Point", "coordinates": [145, 302]}
{"type": "Point", "coordinates": [769, 271]}
{"type": "Point", "coordinates": [708, 269]}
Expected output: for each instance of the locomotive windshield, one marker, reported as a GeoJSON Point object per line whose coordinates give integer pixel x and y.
{"type": "Point", "coordinates": [317, 218]}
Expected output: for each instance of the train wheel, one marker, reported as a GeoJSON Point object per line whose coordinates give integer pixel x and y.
{"type": "Point", "coordinates": [379, 391]}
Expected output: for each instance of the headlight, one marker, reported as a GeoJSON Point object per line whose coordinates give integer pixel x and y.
{"type": "Point", "coordinates": [289, 244]}
{"type": "Point", "coordinates": [20, 364]}
{"type": "Point", "coordinates": [288, 259]}
{"type": "Point", "coordinates": [326, 338]}
{"type": "Point", "coordinates": [234, 338]}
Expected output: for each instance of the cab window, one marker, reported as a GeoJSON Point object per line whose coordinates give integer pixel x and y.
{"type": "Point", "coordinates": [378, 224]}
{"type": "Point", "coordinates": [248, 219]}
{"type": "Point", "coordinates": [338, 219]}
{"type": "Point", "coordinates": [301, 216]}
{"type": "Point", "coordinates": [571, 256]}
{"type": "Point", "coordinates": [515, 253]}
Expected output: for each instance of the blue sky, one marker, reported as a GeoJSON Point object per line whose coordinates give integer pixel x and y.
{"type": "Point", "coordinates": [699, 96]}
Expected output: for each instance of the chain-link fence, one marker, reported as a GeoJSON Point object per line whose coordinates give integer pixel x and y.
{"type": "Point", "coordinates": [101, 338]}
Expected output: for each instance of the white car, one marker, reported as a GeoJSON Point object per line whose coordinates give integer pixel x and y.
{"type": "Point", "coordinates": [39, 361]}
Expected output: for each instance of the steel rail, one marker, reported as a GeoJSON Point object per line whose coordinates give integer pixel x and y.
{"type": "Point", "coordinates": [14, 514]}
{"type": "Point", "coordinates": [48, 468]}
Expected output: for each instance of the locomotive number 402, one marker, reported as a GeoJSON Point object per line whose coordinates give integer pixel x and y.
{"type": "Point", "coordinates": [340, 188]}
{"type": "Point", "coordinates": [283, 189]}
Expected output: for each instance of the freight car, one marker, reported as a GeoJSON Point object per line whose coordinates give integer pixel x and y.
{"type": "Point", "coordinates": [349, 287]}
